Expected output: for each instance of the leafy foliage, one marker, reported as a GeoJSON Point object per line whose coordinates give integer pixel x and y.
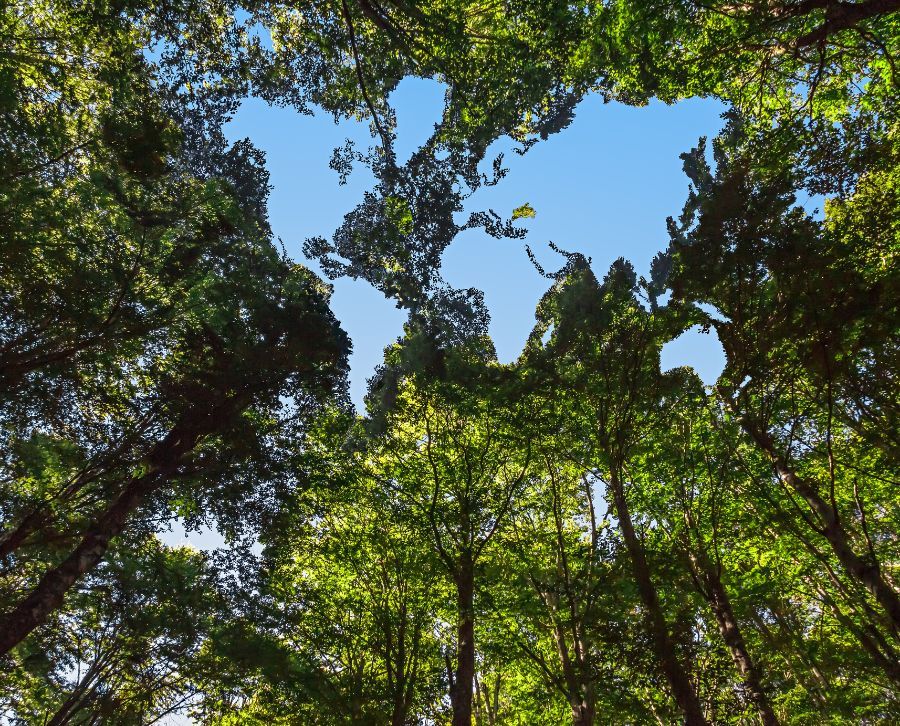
{"type": "Point", "coordinates": [578, 536]}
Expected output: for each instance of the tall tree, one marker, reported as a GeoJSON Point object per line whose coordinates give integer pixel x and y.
{"type": "Point", "coordinates": [696, 475]}
{"type": "Point", "coordinates": [558, 548]}
{"type": "Point", "coordinates": [362, 597]}
{"type": "Point", "coordinates": [453, 453]}
{"type": "Point", "coordinates": [604, 347]}
{"type": "Point", "coordinates": [801, 305]}
{"type": "Point", "coordinates": [129, 643]}
{"type": "Point", "coordinates": [269, 337]}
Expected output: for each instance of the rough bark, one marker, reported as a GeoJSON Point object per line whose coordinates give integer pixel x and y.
{"type": "Point", "coordinates": [49, 593]}
{"type": "Point", "coordinates": [463, 682]}
{"type": "Point", "coordinates": [729, 628]}
{"type": "Point", "coordinates": [399, 716]}
{"type": "Point", "coordinates": [663, 647]}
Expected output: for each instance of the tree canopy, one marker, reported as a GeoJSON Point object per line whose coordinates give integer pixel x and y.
{"type": "Point", "coordinates": [577, 536]}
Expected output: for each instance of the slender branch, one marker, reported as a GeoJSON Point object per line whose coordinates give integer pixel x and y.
{"type": "Point", "coordinates": [385, 139]}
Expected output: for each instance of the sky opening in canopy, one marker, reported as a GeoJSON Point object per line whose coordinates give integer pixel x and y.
{"type": "Point", "coordinates": [602, 187]}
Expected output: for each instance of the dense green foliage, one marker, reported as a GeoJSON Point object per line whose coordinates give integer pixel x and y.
{"type": "Point", "coordinates": [575, 537]}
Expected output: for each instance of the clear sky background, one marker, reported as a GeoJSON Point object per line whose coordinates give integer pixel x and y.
{"type": "Point", "coordinates": [602, 187]}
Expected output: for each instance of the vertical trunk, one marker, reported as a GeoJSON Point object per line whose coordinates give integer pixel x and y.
{"type": "Point", "coordinates": [398, 713]}
{"type": "Point", "coordinates": [395, 662]}
{"type": "Point", "coordinates": [663, 647]}
{"type": "Point", "coordinates": [399, 716]}
{"type": "Point", "coordinates": [402, 690]}
{"type": "Point", "coordinates": [578, 678]}
{"type": "Point", "coordinates": [865, 572]}
{"type": "Point", "coordinates": [462, 690]}
{"type": "Point", "coordinates": [410, 668]}
{"type": "Point", "coordinates": [714, 592]}
{"type": "Point", "coordinates": [484, 706]}
{"type": "Point", "coordinates": [587, 709]}
{"type": "Point", "coordinates": [583, 713]}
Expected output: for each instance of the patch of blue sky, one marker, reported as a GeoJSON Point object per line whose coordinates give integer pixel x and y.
{"type": "Point", "coordinates": [603, 187]}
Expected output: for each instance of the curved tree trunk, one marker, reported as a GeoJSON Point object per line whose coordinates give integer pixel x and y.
{"type": "Point", "coordinates": [841, 16]}
{"type": "Point", "coordinates": [861, 569]}
{"type": "Point", "coordinates": [49, 593]}
{"type": "Point", "coordinates": [715, 594]}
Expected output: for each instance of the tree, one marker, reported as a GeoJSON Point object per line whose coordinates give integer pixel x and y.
{"type": "Point", "coordinates": [159, 358]}
{"type": "Point", "coordinates": [270, 337]}
{"type": "Point", "coordinates": [557, 606]}
{"type": "Point", "coordinates": [604, 349]}
{"type": "Point", "coordinates": [695, 471]}
{"type": "Point", "coordinates": [799, 316]}
{"type": "Point", "coordinates": [361, 597]}
{"type": "Point", "coordinates": [453, 454]}
{"type": "Point", "coordinates": [128, 643]}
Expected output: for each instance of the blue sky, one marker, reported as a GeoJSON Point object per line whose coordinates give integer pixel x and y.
{"type": "Point", "coordinates": [603, 187]}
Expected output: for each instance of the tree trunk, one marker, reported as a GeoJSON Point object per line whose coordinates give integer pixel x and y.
{"type": "Point", "coordinates": [50, 591]}
{"type": "Point", "coordinates": [463, 683]}
{"type": "Point", "coordinates": [577, 676]}
{"type": "Point", "coordinates": [843, 15]}
{"type": "Point", "coordinates": [400, 707]}
{"type": "Point", "coordinates": [866, 573]}
{"type": "Point", "coordinates": [401, 704]}
{"type": "Point", "coordinates": [663, 647]}
{"type": "Point", "coordinates": [715, 594]}
{"type": "Point", "coordinates": [15, 535]}
{"type": "Point", "coordinates": [583, 713]}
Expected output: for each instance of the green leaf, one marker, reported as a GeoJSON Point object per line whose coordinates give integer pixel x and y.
{"type": "Point", "coordinates": [525, 211]}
